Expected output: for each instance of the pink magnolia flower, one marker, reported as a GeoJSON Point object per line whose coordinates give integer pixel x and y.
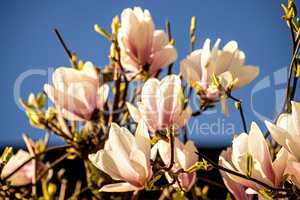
{"type": "Point", "coordinates": [249, 155]}
{"type": "Point", "coordinates": [141, 45]}
{"type": "Point", "coordinates": [125, 157]}
{"type": "Point", "coordinates": [287, 130]}
{"type": "Point", "coordinates": [77, 92]}
{"type": "Point", "coordinates": [24, 175]}
{"type": "Point", "coordinates": [226, 64]}
{"type": "Point", "coordinates": [185, 156]}
{"type": "Point", "coordinates": [161, 104]}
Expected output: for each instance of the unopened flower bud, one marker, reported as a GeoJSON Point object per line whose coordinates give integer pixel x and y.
{"type": "Point", "coordinates": [50, 113]}
{"type": "Point", "coordinates": [41, 100]}
{"type": "Point", "coordinates": [237, 105]}
{"type": "Point", "coordinates": [31, 99]}
{"type": "Point", "coordinates": [52, 189]}
{"type": "Point", "coordinates": [102, 32]}
{"type": "Point", "coordinates": [115, 25]}
{"type": "Point", "coordinates": [193, 25]}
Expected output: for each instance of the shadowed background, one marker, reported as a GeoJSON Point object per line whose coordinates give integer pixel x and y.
{"type": "Point", "coordinates": [27, 42]}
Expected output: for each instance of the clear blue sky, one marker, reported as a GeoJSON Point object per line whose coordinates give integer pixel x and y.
{"type": "Point", "coordinates": [27, 42]}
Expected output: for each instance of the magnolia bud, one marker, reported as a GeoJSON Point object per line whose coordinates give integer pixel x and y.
{"type": "Point", "coordinates": [102, 32]}
{"type": "Point", "coordinates": [41, 100]}
{"type": "Point", "coordinates": [7, 153]}
{"type": "Point", "coordinates": [31, 99]}
{"type": "Point", "coordinates": [193, 25]}
{"type": "Point", "coordinates": [52, 189]}
{"type": "Point", "coordinates": [237, 105]}
{"type": "Point", "coordinates": [115, 25]}
{"type": "Point", "coordinates": [50, 113]}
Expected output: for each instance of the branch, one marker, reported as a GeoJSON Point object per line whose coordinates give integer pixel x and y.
{"type": "Point", "coordinates": [171, 133]}
{"type": "Point", "coordinates": [240, 108]}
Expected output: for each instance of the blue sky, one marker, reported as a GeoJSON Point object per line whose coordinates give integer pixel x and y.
{"type": "Point", "coordinates": [27, 42]}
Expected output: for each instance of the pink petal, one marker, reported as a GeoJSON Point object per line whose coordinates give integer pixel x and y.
{"type": "Point", "coordinates": [170, 100]}
{"type": "Point", "coordinates": [279, 165]}
{"type": "Point", "coordinates": [163, 58]}
{"type": "Point", "coordinates": [160, 40]}
{"type": "Point", "coordinates": [119, 187]}
{"type": "Point", "coordinates": [64, 100]}
{"type": "Point", "coordinates": [258, 148]}
{"type": "Point", "coordinates": [190, 71]}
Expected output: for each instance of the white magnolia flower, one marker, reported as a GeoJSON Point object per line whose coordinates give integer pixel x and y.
{"type": "Point", "coordinates": [227, 64]}
{"type": "Point", "coordinates": [125, 157]}
{"type": "Point", "coordinates": [161, 104]}
{"type": "Point", "coordinates": [77, 92]}
{"type": "Point", "coordinates": [24, 175]}
{"type": "Point", "coordinates": [249, 155]}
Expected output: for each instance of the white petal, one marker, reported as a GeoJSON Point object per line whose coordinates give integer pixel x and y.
{"type": "Point", "coordinates": [102, 96]}
{"type": "Point", "coordinates": [103, 160]}
{"type": "Point", "coordinates": [134, 112]}
{"type": "Point", "coordinates": [296, 116]}
{"type": "Point", "coordinates": [119, 187]}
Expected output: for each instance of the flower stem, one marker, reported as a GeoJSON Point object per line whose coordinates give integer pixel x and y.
{"type": "Point", "coordinates": [171, 134]}
{"type": "Point", "coordinates": [240, 108]}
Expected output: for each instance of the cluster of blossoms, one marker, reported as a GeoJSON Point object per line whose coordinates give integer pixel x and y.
{"type": "Point", "coordinates": [135, 140]}
{"type": "Point", "coordinates": [250, 155]}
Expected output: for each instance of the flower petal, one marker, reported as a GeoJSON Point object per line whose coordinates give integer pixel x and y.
{"type": "Point", "coordinates": [134, 112]}
{"type": "Point", "coordinates": [296, 116]}
{"type": "Point", "coordinates": [103, 160]}
{"type": "Point", "coordinates": [119, 187]}
{"type": "Point", "coordinates": [102, 96]}
{"type": "Point", "coordinates": [163, 58]}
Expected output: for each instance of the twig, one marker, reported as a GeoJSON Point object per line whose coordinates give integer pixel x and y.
{"type": "Point", "coordinates": [171, 133]}
{"type": "Point", "coordinates": [57, 161]}
{"type": "Point", "coordinates": [294, 52]}
{"type": "Point", "coordinates": [168, 30]}
{"type": "Point", "coordinates": [240, 108]}
{"type": "Point", "coordinates": [211, 182]}
{"type": "Point", "coordinates": [63, 44]}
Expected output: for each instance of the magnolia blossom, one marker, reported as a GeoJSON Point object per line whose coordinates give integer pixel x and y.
{"type": "Point", "coordinates": [249, 155]}
{"type": "Point", "coordinates": [161, 104]}
{"type": "Point", "coordinates": [184, 156]}
{"type": "Point", "coordinates": [24, 175]}
{"type": "Point", "coordinates": [226, 64]}
{"type": "Point", "coordinates": [143, 47]}
{"type": "Point", "coordinates": [287, 130]}
{"type": "Point", "coordinates": [125, 157]}
{"type": "Point", "coordinates": [77, 92]}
